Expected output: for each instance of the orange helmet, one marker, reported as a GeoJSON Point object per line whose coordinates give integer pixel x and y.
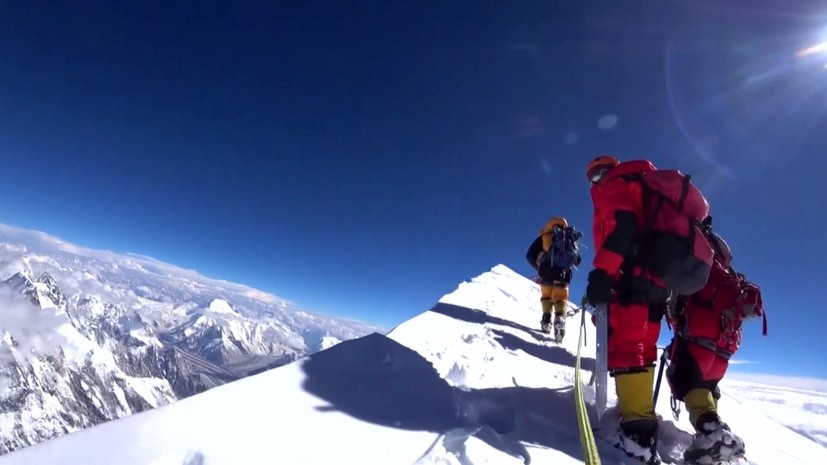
{"type": "Point", "coordinates": [598, 167]}
{"type": "Point", "coordinates": [558, 221]}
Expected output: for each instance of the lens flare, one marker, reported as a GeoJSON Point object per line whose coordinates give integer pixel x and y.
{"type": "Point", "coordinates": [749, 101]}
{"type": "Point", "coordinates": [822, 47]}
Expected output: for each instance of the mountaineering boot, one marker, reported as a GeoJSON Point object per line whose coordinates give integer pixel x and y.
{"type": "Point", "coordinates": [638, 423]}
{"type": "Point", "coordinates": [559, 321]}
{"type": "Point", "coordinates": [559, 328]}
{"type": "Point", "coordinates": [545, 323]}
{"type": "Point", "coordinates": [698, 402]}
{"type": "Point", "coordinates": [713, 443]}
{"type": "Point", "coordinates": [636, 439]}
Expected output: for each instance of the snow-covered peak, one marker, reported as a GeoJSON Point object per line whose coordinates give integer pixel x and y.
{"type": "Point", "coordinates": [21, 281]}
{"type": "Point", "coordinates": [49, 292]}
{"type": "Point", "coordinates": [42, 291]}
{"type": "Point", "coordinates": [469, 382]}
{"type": "Point", "coordinates": [220, 306]}
{"type": "Point", "coordinates": [328, 342]}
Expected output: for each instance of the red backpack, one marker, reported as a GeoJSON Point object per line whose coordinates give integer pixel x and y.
{"type": "Point", "coordinates": [674, 247]}
{"type": "Point", "coordinates": [713, 317]}
{"type": "Point", "coordinates": [731, 292]}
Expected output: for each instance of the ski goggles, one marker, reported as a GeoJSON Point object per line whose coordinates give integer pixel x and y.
{"type": "Point", "coordinates": [597, 174]}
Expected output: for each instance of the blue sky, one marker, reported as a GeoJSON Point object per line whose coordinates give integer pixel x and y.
{"type": "Point", "coordinates": [362, 160]}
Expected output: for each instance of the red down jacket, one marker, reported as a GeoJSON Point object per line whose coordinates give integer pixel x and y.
{"type": "Point", "coordinates": [618, 217]}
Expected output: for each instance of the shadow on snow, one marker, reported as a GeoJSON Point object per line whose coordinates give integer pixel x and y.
{"type": "Point", "coordinates": [551, 354]}
{"type": "Point", "coordinates": [470, 315]}
{"type": "Point", "coordinates": [378, 380]}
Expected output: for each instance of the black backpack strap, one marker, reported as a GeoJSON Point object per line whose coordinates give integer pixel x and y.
{"type": "Point", "coordinates": [684, 192]}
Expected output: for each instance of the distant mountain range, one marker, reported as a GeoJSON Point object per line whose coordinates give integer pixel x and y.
{"type": "Point", "coordinates": [92, 335]}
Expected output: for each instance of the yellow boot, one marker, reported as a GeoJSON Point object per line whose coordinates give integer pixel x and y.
{"type": "Point", "coordinates": [634, 395]}
{"type": "Point", "coordinates": [714, 441]}
{"type": "Point", "coordinates": [698, 402]}
{"type": "Point", "coordinates": [559, 295]}
{"type": "Point", "coordinates": [560, 308]}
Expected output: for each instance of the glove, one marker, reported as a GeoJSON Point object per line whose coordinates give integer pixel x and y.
{"type": "Point", "coordinates": [599, 289]}
{"type": "Point", "coordinates": [584, 302]}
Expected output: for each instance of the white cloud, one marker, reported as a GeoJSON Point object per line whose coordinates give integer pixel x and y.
{"type": "Point", "coordinates": [741, 362]}
{"type": "Point", "coordinates": [795, 382]}
{"type": "Point", "coordinates": [41, 240]}
{"type": "Point", "coordinates": [262, 296]}
{"type": "Point", "coordinates": [38, 239]}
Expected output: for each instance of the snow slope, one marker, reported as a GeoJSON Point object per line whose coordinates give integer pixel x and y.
{"type": "Point", "coordinates": [468, 382]}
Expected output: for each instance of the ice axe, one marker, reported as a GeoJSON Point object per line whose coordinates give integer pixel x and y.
{"type": "Point", "coordinates": [601, 365]}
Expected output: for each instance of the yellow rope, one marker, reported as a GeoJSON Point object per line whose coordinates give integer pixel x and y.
{"type": "Point", "coordinates": [586, 435]}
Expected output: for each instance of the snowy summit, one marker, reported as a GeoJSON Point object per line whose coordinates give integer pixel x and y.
{"type": "Point", "coordinates": [222, 306]}
{"type": "Point", "coordinates": [469, 382]}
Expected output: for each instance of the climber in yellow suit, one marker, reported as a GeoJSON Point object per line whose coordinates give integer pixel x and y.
{"type": "Point", "coordinates": [553, 254]}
